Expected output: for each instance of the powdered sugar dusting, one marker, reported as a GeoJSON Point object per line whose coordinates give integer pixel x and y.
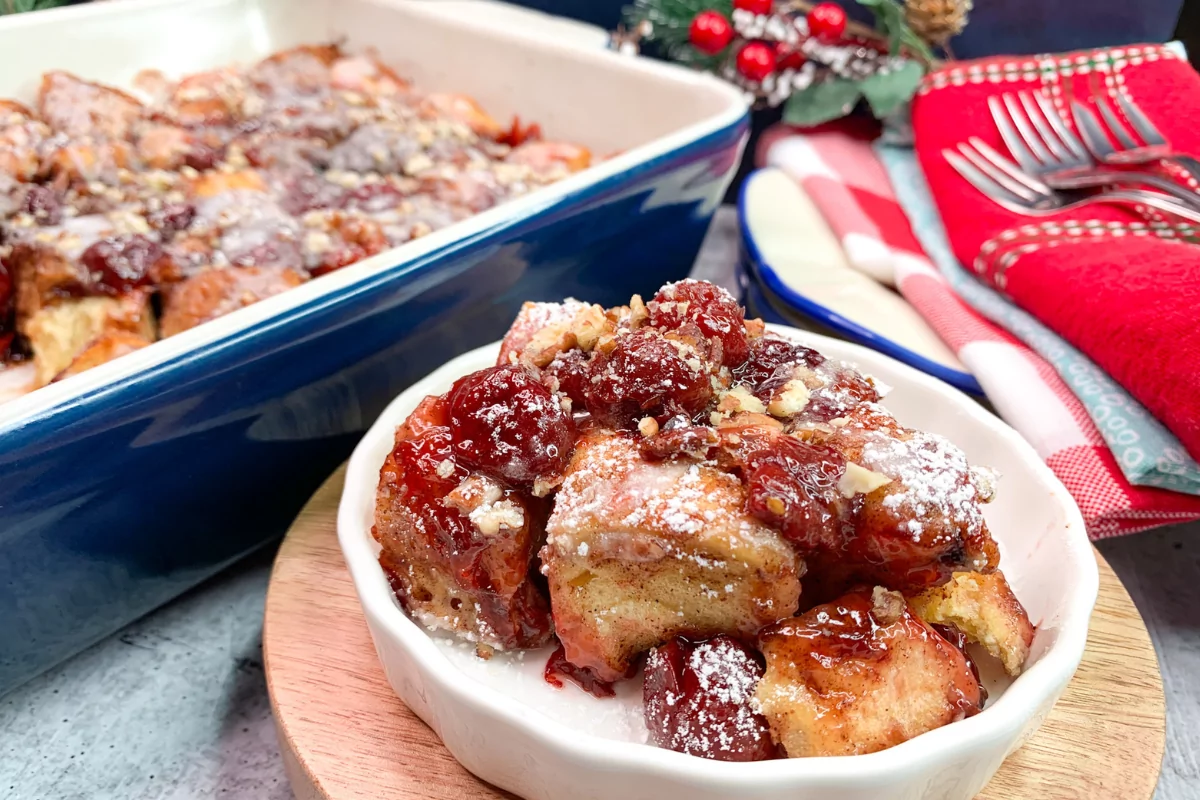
{"type": "Point", "coordinates": [633, 509]}
{"type": "Point", "coordinates": [932, 479]}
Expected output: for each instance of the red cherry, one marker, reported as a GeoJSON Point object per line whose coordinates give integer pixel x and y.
{"type": "Point", "coordinates": [827, 22]}
{"type": "Point", "coordinates": [788, 57]}
{"type": "Point", "coordinates": [756, 60]}
{"type": "Point", "coordinates": [698, 699]}
{"type": "Point", "coordinates": [509, 426]}
{"type": "Point", "coordinates": [710, 32]}
{"type": "Point", "coordinates": [712, 309]}
{"type": "Point", "coordinates": [758, 7]}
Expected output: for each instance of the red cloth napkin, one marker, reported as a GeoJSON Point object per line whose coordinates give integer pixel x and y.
{"type": "Point", "coordinates": [1122, 286]}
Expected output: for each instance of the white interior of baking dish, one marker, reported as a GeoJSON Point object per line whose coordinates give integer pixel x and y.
{"type": "Point", "coordinates": [1045, 555]}
{"type": "Point", "coordinates": [512, 61]}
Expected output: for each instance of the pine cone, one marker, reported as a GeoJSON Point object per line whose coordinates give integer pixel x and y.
{"type": "Point", "coordinates": [937, 21]}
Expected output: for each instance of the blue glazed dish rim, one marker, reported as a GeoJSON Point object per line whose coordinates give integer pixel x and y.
{"type": "Point", "coordinates": [759, 271]}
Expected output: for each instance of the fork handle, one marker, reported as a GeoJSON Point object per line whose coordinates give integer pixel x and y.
{"type": "Point", "coordinates": [1152, 199]}
{"type": "Point", "coordinates": [1188, 164]}
{"type": "Point", "coordinates": [1181, 194]}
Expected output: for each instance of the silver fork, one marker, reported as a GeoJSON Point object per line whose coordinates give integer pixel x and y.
{"type": "Point", "coordinates": [1155, 147]}
{"type": "Point", "coordinates": [1004, 183]}
{"type": "Point", "coordinates": [1047, 150]}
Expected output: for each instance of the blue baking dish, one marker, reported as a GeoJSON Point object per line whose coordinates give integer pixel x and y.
{"type": "Point", "coordinates": [125, 485]}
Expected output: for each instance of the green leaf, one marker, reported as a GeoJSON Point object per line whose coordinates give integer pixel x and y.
{"type": "Point", "coordinates": [890, 20]}
{"type": "Point", "coordinates": [823, 101]}
{"type": "Point", "coordinates": [886, 92]}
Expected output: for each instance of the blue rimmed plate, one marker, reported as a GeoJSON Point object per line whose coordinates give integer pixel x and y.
{"type": "Point", "coordinates": [795, 272]}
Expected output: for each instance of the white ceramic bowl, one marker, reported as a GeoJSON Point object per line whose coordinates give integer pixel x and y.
{"type": "Point", "coordinates": [506, 725]}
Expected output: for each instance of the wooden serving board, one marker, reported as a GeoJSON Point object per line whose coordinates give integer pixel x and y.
{"type": "Point", "coordinates": [344, 734]}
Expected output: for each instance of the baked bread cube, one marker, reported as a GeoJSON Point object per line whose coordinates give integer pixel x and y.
{"type": "Point", "coordinates": [21, 140]}
{"type": "Point", "coordinates": [985, 609]}
{"type": "Point", "coordinates": [542, 331]}
{"type": "Point", "coordinates": [859, 675]}
{"type": "Point", "coordinates": [916, 504]}
{"type": "Point", "coordinates": [638, 552]}
{"type": "Point", "coordinates": [216, 97]}
{"type": "Point", "coordinates": [108, 345]}
{"type": "Point", "coordinates": [217, 292]}
{"type": "Point", "coordinates": [61, 333]}
{"type": "Point", "coordinates": [80, 108]}
{"type": "Point", "coordinates": [44, 274]}
{"type": "Point", "coordinates": [456, 545]}
{"type": "Point", "coordinates": [547, 157]}
{"type": "Point", "coordinates": [366, 75]}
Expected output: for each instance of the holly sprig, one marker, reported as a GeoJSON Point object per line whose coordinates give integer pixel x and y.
{"type": "Point", "coordinates": [831, 93]}
{"type": "Point", "coordinates": [670, 21]}
{"type": "Point", "coordinates": [833, 97]}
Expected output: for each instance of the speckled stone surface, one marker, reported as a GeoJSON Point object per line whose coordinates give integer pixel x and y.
{"type": "Point", "coordinates": [175, 706]}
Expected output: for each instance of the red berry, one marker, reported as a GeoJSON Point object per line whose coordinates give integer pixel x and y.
{"type": "Point", "coordinates": [710, 32]}
{"type": "Point", "coordinates": [827, 22]}
{"type": "Point", "coordinates": [43, 204]}
{"type": "Point", "coordinates": [568, 374]}
{"type": "Point", "coordinates": [793, 487]}
{"type": "Point", "coordinates": [756, 60]}
{"type": "Point", "coordinates": [172, 218]}
{"type": "Point", "coordinates": [201, 157]}
{"type": "Point", "coordinates": [648, 375]}
{"type": "Point", "coordinates": [788, 57]}
{"type": "Point", "coordinates": [710, 308]}
{"type": "Point", "coordinates": [508, 425]}
{"type": "Point", "coordinates": [697, 700]}
{"type": "Point", "coordinates": [759, 7]}
{"type": "Point", "coordinates": [772, 362]}
{"type": "Point", "coordinates": [119, 263]}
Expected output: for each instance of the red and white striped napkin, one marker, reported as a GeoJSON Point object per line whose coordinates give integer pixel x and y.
{"type": "Point", "coordinates": [848, 183]}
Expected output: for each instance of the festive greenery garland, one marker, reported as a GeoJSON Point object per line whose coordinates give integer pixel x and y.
{"type": "Point", "coordinates": [811, 57]}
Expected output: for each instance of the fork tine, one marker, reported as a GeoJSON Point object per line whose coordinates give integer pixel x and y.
{"type": "Point", "coordinates": [1028, 134]}
{"type": "Point", "coordinates": [1037, 118]}
{"type": "Point", "coordinates": [985, 185]}
{"type": "Point", "coordinates": [1139, 121]}
{"type": "Point", "coordinates": [998, 175]}
{"type": "Point", "coordinates": [1115, 125]}
{"type": "Point", "coordinates": [1011, 138]}
{"type": "Point", "coordinates": [1064, 134]}
{"type": "Point", "coordinates": [1006, 168]}
{"type": "Point", "coordinates": [1092, 132]}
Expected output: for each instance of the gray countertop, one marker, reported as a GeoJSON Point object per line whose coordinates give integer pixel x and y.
{"type": "Point", "coordinates": [175, 706]}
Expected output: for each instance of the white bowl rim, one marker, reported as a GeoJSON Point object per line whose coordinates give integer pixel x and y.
{"type": "Point", "coordinates": [1035, 688]}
